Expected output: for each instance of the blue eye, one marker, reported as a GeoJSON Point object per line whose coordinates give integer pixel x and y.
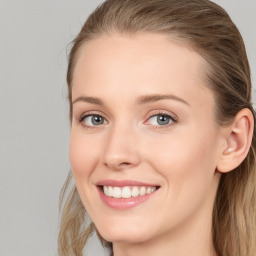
{"type": "Point", "coordinates": [93, 120]}
{"type": "Point", "coordinates": [160, 119]}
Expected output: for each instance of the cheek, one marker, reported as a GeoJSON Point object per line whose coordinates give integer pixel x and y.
{"type": "Point", "coordinates": [82, 154]}
{"type": "Point", "coordinates": [83, 159]}
{"type": "Point", "coordinates": [188, 166]}
{"type": "Point", "coordinates": [187, 162]}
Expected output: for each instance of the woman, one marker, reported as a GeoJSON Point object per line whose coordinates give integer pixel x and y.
{"type": "Point", "coordinates": [162, 144]}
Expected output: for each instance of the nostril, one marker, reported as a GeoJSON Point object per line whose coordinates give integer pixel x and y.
{"type": "Point", "coordinates": [125, 163]}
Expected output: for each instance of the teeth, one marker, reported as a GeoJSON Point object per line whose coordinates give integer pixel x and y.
{"type": "Point", "coordinates": [117, 192]}
{"type": "Point", "coordinates": [127, 192]}
{"type": "Point", "coordinates": [142, 191]}
{"type": "Point", "coordinates": [105, 190]}
{"type": "Point", "coordinates": [135, 191]}
{"type": "Point", "coordinates": [110, 191]}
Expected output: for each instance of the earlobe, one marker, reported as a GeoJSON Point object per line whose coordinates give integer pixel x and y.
{"type": "Point", "coordinates": [238, 141]}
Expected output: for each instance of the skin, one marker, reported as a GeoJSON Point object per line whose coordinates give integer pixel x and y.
{"type": "Point", "coordinates": [180, 157]}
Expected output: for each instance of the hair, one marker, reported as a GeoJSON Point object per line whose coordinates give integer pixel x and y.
{"type": "Point", "coordinates": [208, 29]}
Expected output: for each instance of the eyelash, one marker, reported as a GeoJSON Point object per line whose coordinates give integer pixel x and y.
{"type": "Point", "coordinates": [90, 114]}
{"type": "Point", "coordinates": [172, 119]}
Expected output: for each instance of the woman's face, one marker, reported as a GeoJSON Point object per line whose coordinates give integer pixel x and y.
{"type": "Point", "coordinates": [144, 133]}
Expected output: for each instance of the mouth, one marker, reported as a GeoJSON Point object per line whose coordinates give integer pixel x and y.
{"type": "Point", "coordinates": [127, 191]}
{"type": "Point", "coordinates": [125, 194]}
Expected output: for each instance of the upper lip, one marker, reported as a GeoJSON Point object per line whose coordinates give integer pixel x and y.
{"type": "Point", "coordinates": [123, 183]}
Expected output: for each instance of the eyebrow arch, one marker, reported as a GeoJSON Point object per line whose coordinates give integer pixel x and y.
{"type": "Point", "coordinates": [91, 100]}
{"type": "Point", "coordinates": [156, 97]}
{"type": "Point", "coordinates": [141, 100]}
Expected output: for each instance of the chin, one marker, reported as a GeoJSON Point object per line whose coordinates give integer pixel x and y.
{"type": "Point", "coordinates": [123, 233]}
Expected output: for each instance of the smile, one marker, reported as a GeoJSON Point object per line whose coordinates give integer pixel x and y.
{"type": "Point", "coordinates": [127, 191]}
{"type": "Point", "coordinates": [125, 194]}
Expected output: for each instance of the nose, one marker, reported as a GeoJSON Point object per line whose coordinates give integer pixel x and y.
{"type": "Point", "coordinates": [121, 151]}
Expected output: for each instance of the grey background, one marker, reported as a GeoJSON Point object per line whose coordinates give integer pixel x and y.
{"type": "Point", "coordinates": [34, 126]}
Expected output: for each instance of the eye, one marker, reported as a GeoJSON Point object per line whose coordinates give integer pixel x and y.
{"type": "Point", "coordinates": [161, 120]}
{"type": "Point", "coordinates": [93, 120]}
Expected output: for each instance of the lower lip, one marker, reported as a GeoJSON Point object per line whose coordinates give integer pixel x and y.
{"type": "Point", "coordinates": [124, 203]}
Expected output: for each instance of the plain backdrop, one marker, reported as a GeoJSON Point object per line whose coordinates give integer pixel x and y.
{"type": "Point", "coordinates": [34, 125]}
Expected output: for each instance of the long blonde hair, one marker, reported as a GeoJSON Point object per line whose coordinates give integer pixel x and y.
{"type": "Point", "coordinates": [207, 28]}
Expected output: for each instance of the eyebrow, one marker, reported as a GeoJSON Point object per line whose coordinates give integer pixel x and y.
{"type": "Point", "coordinates": [141, 100]}
{"type": "Point", "coordinates": [91, 100]}
{"type": "Point", "coordinates": [157, 97]}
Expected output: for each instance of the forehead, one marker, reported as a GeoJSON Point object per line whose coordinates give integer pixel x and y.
{"type": "Point", "coordinates": [145, 63]}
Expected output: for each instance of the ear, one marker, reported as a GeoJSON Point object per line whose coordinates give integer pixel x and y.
{"type": "Point", "coordinates": [238, 141]}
